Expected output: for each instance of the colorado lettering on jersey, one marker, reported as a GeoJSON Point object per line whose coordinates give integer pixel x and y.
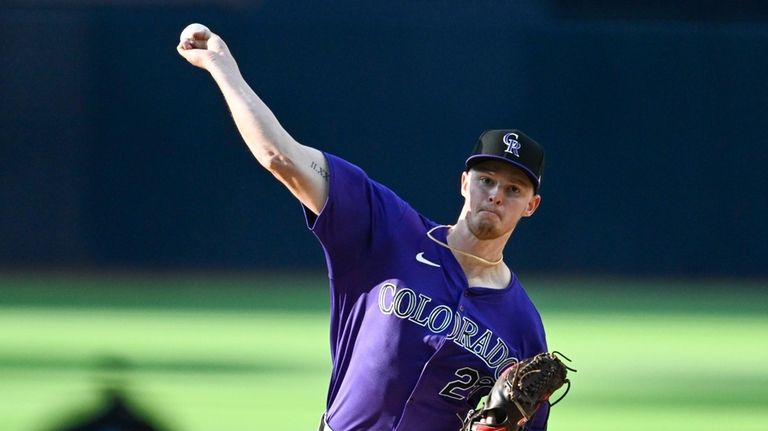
{"type": "Point", "coordinates": [406, 304]}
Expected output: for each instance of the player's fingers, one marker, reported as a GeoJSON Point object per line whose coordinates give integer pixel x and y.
{"type": "Point", "coordinates": [200, 46]}
{"type": "Point", "coordinates": [195, 31]}
{"type": "Point", "coordinates": [194, 36]}
{"type": "Point", "coordinates": [193, 44]}
{"type": "Point", "coordinates": [214, 43]}
{"type": "Point", "coordinates": [185, 45]}
{"type": "Point", "coordinates": [194, 56]}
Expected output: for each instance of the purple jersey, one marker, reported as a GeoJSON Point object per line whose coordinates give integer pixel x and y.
{"type": "Point", "coordinates": [413, 346]}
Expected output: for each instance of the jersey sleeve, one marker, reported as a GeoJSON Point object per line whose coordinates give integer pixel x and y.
{"type": "Point", "coordinates": [358, 216]}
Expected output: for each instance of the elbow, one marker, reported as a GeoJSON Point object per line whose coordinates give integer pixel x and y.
{"type": "Point", "coordinates": [277, 163]}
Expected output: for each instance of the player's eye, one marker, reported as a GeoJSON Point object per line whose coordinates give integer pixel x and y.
{"type": "Point", "coordinates": [513, 190]}
{"type": "Point", "coordinates": [485, 181]}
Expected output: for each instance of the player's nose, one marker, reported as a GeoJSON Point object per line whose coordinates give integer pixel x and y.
{"type": "Point", "coordinates": [495, 197]}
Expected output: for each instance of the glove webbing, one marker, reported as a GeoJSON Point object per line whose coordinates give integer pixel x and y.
{"type": "Point", "coordinates": [532, 387]}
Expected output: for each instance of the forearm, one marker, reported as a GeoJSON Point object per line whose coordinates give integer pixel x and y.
{"type": "Point", "coordinates": [260, 129]}
{"type": "Point", "coordinates": [303, 170]}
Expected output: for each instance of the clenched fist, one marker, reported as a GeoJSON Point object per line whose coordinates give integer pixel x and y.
{"type": "Point", "coordinates": [203, 48]}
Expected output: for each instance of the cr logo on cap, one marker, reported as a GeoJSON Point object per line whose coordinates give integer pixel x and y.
{"type": "Point", "coordinates": [512, 145]}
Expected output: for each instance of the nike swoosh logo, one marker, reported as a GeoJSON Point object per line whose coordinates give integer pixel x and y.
{"type": "Point", "coordinates": [420, 258]}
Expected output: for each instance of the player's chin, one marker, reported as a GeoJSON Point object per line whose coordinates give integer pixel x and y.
{"type": "Point", "coordinates": [486, 229]}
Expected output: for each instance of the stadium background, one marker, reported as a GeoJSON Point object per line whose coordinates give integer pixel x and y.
{"type": "Point", "coordinates": [135, 225]}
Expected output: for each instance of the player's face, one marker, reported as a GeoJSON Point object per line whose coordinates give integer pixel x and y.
{"type": "Point", "coordinates": [497, 196]}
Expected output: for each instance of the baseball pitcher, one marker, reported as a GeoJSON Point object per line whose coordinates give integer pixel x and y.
{"type": "Point", "coordinates": [425, 318]}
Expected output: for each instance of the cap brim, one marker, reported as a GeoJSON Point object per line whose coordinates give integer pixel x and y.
{"type": "Point", "coordinates": [473, 160]}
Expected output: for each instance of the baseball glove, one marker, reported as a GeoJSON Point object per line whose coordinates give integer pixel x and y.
{"type": "Point", "coordinates": [518, 392]}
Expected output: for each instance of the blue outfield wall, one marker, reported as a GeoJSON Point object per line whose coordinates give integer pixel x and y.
{"type": "Point", "coordinates": [115, 153]}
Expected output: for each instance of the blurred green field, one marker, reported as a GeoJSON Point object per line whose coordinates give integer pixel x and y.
{"type": "Point", "coordinates": [250, 352]}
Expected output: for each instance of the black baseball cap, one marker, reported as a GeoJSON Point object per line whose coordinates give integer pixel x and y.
{"type": "Point", "coordinates": [511, 146]}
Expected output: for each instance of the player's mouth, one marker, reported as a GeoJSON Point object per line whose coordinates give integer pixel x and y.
{"type": "Point", "coordinates": [489, 211]}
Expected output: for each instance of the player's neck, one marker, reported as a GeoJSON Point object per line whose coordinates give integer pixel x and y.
{"type": "Point", "coordinates": [485, 251]}
{"type": "Point", "coordinates": [481, 260]}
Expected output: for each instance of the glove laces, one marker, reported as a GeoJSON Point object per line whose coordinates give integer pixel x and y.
{"type": "Point", "coordinates": [536, 384]}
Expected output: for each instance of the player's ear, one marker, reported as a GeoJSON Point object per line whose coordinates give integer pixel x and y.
{"type": "Point", "coordinates": [465, 184]}
{"type": "Point", "coordinates": [533, 204]}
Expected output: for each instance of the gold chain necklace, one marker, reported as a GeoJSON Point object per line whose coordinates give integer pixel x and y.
{"type": "Point", "coordinates": [461, 252]}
